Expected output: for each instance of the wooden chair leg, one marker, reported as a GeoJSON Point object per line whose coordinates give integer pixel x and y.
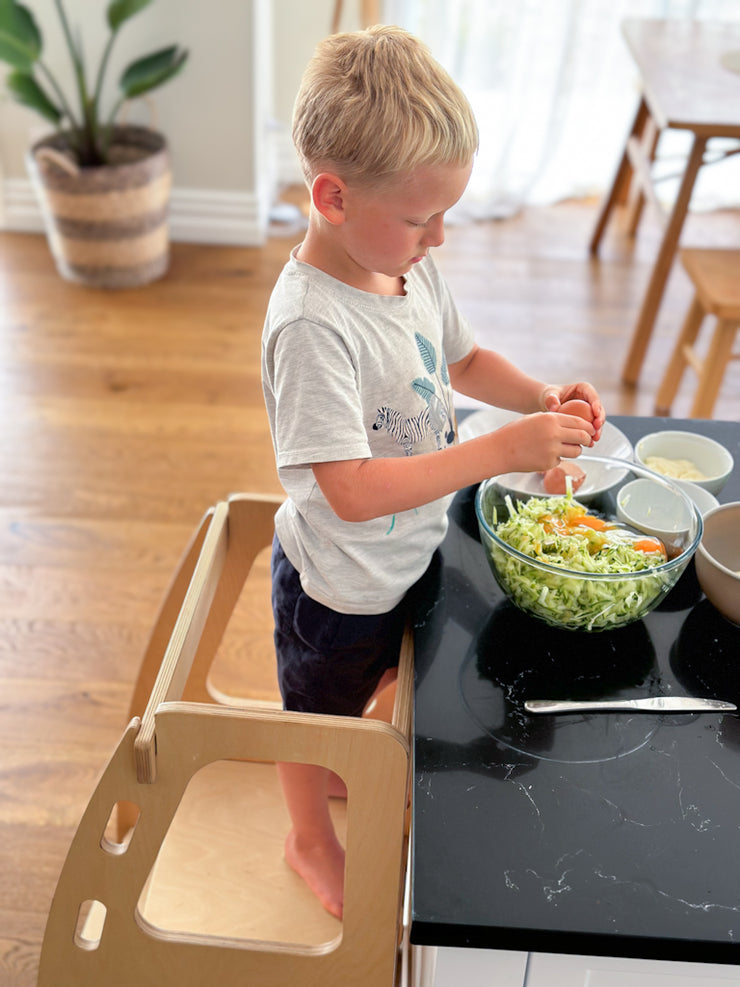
{"type": "Point", "coordinates": [636, 199]}
{"type": "Point", "coordinates": [713, 368]}
{"type": "Point", "coordinates": [643, 329]}
{"type": "Point", "coordinates": [677, 365]}
{"type": "Point", "coordinates": [621, 181]}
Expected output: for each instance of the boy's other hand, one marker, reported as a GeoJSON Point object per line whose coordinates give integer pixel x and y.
{"type": "Point", "coordinates": [554, 397]}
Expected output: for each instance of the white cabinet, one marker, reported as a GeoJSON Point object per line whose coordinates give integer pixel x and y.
{"type": "Point", "coordinates": [447, 967]}
{"type": "Point", "coordinates": [550, 970]}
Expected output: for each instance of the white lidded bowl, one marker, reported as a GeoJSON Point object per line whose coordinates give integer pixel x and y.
{"type": "Point", "coordinates": [702, 497]}
{"type": "Point", "coordinates": [718, 560]}
{"type": "Point", "coordinates": [713, 461]}
{"type": "Point", "coordinates": [661, 510]}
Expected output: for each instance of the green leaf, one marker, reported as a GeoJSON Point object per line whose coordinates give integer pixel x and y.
{"type": "Point", "coordinates": [120, 11]}
{"type": "Point", "coordinates": [428, 353]}
{"type": "Point", "coordinates": [424, 387]}
{"type": "Point", "coordinates": [20, 38]}
{"type": "Point", "coordinates": [152, 70]}
{"type": "Point", "coordinates": [27, 91]}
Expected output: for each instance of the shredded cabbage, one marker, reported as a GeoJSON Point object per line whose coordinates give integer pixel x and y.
{"type": "Point", "coordinates": [557, 531]}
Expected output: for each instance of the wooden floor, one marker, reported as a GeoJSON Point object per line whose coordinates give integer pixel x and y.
{"type": "Point", "coordinates": [124, 416]}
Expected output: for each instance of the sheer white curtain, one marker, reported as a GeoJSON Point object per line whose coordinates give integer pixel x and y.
{"type": "Point", "coordinates": [554, 90]}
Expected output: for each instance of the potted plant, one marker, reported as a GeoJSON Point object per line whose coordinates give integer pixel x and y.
{"type": "Point", "coordinates": [103, 186]}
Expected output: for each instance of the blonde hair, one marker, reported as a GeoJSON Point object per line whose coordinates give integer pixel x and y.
{"type": "Point", "coordinates": [375, 103]}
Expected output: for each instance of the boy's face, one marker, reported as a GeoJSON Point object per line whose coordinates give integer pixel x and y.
{"type": "Point", "coordinates": [387, 230]}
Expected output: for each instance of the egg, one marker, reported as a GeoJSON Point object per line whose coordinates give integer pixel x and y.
{"type": "Point", "coordinates": [582, 409]}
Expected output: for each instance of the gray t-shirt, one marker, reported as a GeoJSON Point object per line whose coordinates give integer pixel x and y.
{"type": "Point", "coordinates": [352, 375]}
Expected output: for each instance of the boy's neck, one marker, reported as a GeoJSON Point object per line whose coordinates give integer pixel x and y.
{"type": "Point", "coordinates": [322, 253]}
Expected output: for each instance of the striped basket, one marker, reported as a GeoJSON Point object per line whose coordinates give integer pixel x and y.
{"type": "Point", "coordinates": [107, 226]}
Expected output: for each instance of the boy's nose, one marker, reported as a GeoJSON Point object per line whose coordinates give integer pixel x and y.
{"type": "Point", "coordinates": [434, 235]}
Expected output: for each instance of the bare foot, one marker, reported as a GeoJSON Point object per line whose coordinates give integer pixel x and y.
{"type": "Point", "coordinates": [321, 865]}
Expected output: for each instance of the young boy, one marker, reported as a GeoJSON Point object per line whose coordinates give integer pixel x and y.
{"type": "Point", "coordinates": [361, 350]}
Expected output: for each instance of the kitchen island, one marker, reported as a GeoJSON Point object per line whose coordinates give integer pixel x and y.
{"type": "Point", "coordinates": [584, 835]}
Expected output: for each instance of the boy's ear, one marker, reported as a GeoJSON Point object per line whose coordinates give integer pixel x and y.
{"type": "Point", "coordinates": [327, 195]}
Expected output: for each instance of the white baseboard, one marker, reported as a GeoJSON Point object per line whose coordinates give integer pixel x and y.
{"type": "Point", "coordinates": [196, 215]}
{"type": "Point", "coordinates": [19, 210]}
{"type": "Point", "coordinates": [208, 216]}
{"type": "Point", "coordinates": [288, 165]}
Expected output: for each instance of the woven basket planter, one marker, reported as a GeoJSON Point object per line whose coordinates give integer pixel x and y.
{"type": "Point", "coordinates": [107, 226]}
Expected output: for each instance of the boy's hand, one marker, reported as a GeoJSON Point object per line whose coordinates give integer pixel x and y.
{"type": "Point", "coordinates": [554, 397]}
{"type": "Point", "coordinates": [540, 441]}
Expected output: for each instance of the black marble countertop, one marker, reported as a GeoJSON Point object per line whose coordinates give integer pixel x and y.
{"type": "Point", "coordinates": [605, 834]}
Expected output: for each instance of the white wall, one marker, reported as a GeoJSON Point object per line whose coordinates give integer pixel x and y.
{"type": "Point", "coordinates": [226, 116]}
{"type": "Point", "coordinates": [297, 29]}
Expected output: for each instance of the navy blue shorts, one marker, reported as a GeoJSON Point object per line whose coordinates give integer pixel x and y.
{"type": "Point", "coordinates": [328, 662]}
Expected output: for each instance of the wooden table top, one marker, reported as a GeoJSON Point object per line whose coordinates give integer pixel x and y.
{"type": "Point", "coordinates": [685, 82]}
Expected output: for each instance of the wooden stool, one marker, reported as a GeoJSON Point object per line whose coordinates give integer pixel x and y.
{"type": "Point", "coordinates": [716, 277]}
{"type": "Point", "coordinates": [176, 877]}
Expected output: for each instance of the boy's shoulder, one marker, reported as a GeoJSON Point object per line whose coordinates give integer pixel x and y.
{"type": "Point", "coordinates": [298, 281]}
{"type": "Point", "coordinates": [303, 293]}
{"type": "Point", "coordinates": [296, 274]}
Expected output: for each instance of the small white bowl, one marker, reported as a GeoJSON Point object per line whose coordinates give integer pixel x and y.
{"type": "Point", "coordinates": [703, 499]}
{"type": "Point", "coordinates": [718, 560]}
{"type": "Point", "coordinates": [659, 510]}
{"type": "Point", "coordinates": [712, 460]}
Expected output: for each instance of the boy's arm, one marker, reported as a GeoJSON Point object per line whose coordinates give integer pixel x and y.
{"type": "Point", "coordinates": [488, 376]}
{"type": "Point", "coordinates": [361, 489]}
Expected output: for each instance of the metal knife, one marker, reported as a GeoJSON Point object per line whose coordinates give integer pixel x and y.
{"type": "Point", "coordinates": [652, 704]}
